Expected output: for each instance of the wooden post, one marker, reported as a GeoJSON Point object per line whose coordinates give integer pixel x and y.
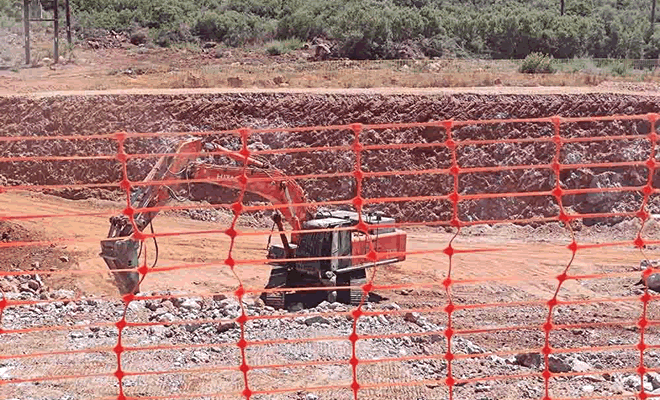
{"type": "Point", "coordinates": [68, 22]}
{"type": "Point", "coordinates": [56, 28]}
{"type": "Point", "coordinates": [561, 12]}
{"type": "Point", "coordinates": [26, 29]}
{"type": "Point", "coordinates": [652, 16]}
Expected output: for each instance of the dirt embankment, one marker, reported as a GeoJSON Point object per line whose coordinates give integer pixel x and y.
{"type": "Point", "coordinates": [87, 115]}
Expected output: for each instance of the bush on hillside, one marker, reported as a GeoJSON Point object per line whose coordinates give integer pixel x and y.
{"type": "Point", "coordinates": [231, 27]}
{"type": "Point", "coordinates": [537, 63]}
{"type": "Point", "coordinates": [306, 20]}
{"type": "Point", "coordinates": [276, 47]}
{"type": "Point", "coordinates": [619, 68]}
{"type": "Point", "coordinates": [178, 34]}
{"type": "Point", "coordinates": [380, 28]}
{"type": "Point", "coordinates": [364, 31]}
{"type": "Point", "coordinates": [11, 9]}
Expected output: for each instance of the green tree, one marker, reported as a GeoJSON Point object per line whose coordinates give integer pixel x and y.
{"type": "Point", "coordinates": [364, 30]}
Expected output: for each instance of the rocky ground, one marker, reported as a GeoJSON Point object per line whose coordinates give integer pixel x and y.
{"type": "Point", "coordinates": [183, 346]}
{"type": "Point", "coordinates": [59, 343]}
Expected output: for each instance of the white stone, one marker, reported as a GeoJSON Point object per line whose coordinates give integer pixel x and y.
{"type": "Point", "coordinates": [191, 304]}
{"type": "Point", "coordinates": [580, 366]}
{"type": "Point", "coordinates": [588, 389]}
{"type": "Point", "coordinates": [4, 373]}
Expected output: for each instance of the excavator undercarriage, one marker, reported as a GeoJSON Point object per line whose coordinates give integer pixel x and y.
{"type": "Point", "coordinates": [282, 278]}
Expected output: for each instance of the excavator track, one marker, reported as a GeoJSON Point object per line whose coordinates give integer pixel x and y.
{"type": "Point", "coordinates": [355, 279]}
{"type": "Point", "coordinates": [276, 300]}
{"type": "Point", "coordinates": [278, 279]}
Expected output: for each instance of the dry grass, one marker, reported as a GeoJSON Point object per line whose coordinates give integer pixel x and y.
{"type": "Point", "coordinates": [372, 74]}
{"type": "Point", "coordinates": [352, 78]}
{"type": "Point", "coordinates": [185, 69]}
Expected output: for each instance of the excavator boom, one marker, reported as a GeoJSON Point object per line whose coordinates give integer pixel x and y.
{"type": "Point", "coordinates": [120, 251]}
{"type": "Point", "coordinates": [270, 184]}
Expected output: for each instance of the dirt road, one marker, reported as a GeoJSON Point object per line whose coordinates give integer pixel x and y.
{"type": "Point", "coordinates": [526, 265]}
{"type": "Point", "coordinates": [624, 89]}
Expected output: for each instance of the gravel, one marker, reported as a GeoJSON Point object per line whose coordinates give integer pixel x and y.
{"type": "Point", "coordinates": [281, 338]}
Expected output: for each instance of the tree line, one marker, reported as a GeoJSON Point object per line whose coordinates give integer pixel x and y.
{"type": "Point", "coordinates": [375, 29]}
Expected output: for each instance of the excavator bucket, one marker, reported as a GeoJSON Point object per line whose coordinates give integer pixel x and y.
{"type": "Point", "coordinates": [122, 255]}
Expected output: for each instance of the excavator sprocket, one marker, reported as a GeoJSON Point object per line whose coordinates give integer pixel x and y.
{"type": "Point", "coordinates": [278, 278]}
{"type": "Point", "coordinates": [355, 280]}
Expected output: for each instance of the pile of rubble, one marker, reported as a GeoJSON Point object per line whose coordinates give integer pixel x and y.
{"type": "Point", "coordinates": [414, 340]}
{"type": "Point", "coordinates": [30, 284]}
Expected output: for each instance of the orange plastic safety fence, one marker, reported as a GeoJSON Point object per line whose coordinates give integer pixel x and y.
{"type": "Point", "coordinates": [446, 143]}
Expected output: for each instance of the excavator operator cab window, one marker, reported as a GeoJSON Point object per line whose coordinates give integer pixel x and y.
{"type": "Point", "coordinates": [314, 244]}
{"type": "Point", "coordinates": [326, 244]}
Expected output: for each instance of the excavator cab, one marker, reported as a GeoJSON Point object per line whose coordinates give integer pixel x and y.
{"type": "Point", "coordinates": [326, 245]}
{"type": "Point", "coordinates": [319, 247]}
{"type": "Point", "coordinates": [323, 251]}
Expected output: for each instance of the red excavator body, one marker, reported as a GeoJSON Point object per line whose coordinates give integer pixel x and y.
{"type": "Point", "coordinates": [326, 249]}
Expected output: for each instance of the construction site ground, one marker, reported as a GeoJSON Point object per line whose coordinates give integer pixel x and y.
{"type": "Point", "coordinates": [520, 267]}
{"type": "Point", "coordinates": [497, 341]}
{"type": "Point", "coordinates": [511, 259]}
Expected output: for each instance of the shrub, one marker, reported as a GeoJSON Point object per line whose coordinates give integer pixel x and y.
{"type": "Point", "coordinates": [262, 8]}
{"type": "Point", "coordinates": [231, 27]}
{"type": "Point", "coordinates": [275, 49]}
{"type": "Point", "coordinates": [364, 31]}
{"type": "Point", "coordinates": [308, 19]}
{"type": "Point", "coordinates": [292, 44]}
{"type": "Point", "coordinates": [619, 68]}
{"type": "Point", "coordinates": [11, 9]}
{"type": "Point", "coordinates": [581, 65]}
{"type": "Point", "coordinates": [174, 35]}
{"type": "Point", "coordinates": [139, 36]}
{"type": "Point", "coordinates": [537, 63]}
{"type": "Point", "coordinates": [374, 28]}
{"type": "Point", "coordinates": [434, 46]}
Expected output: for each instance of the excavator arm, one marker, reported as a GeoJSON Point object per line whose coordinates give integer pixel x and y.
{"type": "Point", "coordinates": [269, 183]}
{"type": "Point", "coordinates": [122, 254]}
{"type": "Point", "coordinates": [143, 197]}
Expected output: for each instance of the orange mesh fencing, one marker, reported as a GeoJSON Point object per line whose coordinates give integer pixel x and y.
{"type": "Point", "coordinates": [462, 175]}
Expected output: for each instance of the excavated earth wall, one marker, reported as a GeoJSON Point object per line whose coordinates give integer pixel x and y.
{"type": "Point", "coordinates": [86, 115]}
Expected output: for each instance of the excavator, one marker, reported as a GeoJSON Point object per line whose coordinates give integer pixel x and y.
{"type": "Point", "coordinates": [326, 250]}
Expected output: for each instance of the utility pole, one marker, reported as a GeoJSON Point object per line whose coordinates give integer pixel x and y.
{"type": "Point", "coordinates": [26, 29]}
{"type": "Point", "coordinates": [56, 28]}
{"type": "Point", "coordinates": [68, 22]}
